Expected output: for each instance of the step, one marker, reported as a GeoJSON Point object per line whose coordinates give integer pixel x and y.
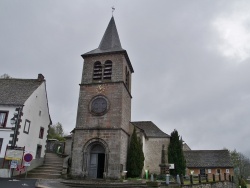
{"type": "Point", "coordinates": [52, 166]}
{"type": "Point", "coordinates": [53, 156]}
{"type": "Point", "coordinates": [103, 184]}
{"type": "Point", "coordinates": [53, 159]}
{"type": "Point", "coordinates": [57, 163]}
{"type": "Point", "coordinates": [53, 163]}
{"type": "Point", "coordinates": [44, 175]}
{"type": "Point", "coordinates": [49, 168]}
{"type": "Point", "coordinates": [48, 171]}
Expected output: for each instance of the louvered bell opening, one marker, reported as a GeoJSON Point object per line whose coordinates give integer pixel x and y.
{"type": "Point", "coordinates": [107, 70]}
{"type": "Point", "coordinates": [97, 73]}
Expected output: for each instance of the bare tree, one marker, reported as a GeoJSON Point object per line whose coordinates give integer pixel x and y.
{"type": "Point", "coordinates": [5, 76]}
{"type": "Point", "coordinates": [241, 164]}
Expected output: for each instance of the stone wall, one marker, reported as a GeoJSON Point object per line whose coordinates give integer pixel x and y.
{"type": "Point", "coordinates": [115, 143]}
{"type": "Point", "coordinates": [110, 129]}
{"type": "Point", "coordinates": [152, 148]}
{"type": "Point", "coordinates": [212, 185]}
{"type": "Point", "coordinates": [124, 149]}
{"type": "Point", "coordinates": [118, 113]}
{"type": "Point", "coordinates": [119, 64]}
{"type": "Point", "coordinates": [68, 146]}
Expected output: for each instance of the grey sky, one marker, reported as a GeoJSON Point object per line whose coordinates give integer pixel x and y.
{"type": "Point", "coordinates": [191, 60]}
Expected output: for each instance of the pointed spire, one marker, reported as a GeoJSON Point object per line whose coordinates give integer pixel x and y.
{"type": "Point", "coordinates": [110, 39]}
{"type": "Point", "coordinates": [110, 43]}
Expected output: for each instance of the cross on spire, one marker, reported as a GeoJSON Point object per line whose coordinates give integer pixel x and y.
{"type": "Point", "coordinates": [113, 9]}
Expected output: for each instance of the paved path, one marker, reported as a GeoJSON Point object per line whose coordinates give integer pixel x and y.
{"type": "Point", "coordinates": [20, 183]}
{"type": "Point", "coordinates": [50, 183]}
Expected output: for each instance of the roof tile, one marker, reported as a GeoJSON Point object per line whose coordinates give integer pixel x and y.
{"type": "Point", "coordinates": [17, 91]}
{"type": "Point", "coordinates": [150, 129]}
{"type": "Point", "coordinates": [207, 158]}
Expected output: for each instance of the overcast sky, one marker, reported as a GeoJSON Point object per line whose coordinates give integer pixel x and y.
{"type": "Point", "coordinates": [191, 60]}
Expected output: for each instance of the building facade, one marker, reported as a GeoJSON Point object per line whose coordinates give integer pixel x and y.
{"type": "Point", "coordinates": [28, 99]}
{"type": "Point", "coordinates": [101, 135]}
{"type": "Point", "coordinates": [153, 140]}
{"type": "Point", "coordinates": [209, 162]}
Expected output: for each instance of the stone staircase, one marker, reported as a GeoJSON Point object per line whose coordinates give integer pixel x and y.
{"type": "Point", "coordinates": [51, 169]}
{"type": "Point", "coordinates": [103, 184]}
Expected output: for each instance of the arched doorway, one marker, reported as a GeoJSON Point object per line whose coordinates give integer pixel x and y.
{"type": "Point", "coordinates": [97, 161]}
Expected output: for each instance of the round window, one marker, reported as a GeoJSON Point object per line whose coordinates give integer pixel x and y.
{"type": "Point", "coordinates": [99, 105]}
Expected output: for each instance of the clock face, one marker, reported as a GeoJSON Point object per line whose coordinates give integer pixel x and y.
{"type": "Point", "coordinates": [99, 106]}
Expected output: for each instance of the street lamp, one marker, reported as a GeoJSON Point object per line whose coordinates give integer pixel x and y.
{"type": "Point", "coordinates": [13, 121]}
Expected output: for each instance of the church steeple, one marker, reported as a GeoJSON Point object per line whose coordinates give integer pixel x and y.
{"type": "Point", "coordinates": [104, 110]}
{"type": "Point", "coordinates": [110, 44]}
{"type": "Point", "coordinates": [110, 40]}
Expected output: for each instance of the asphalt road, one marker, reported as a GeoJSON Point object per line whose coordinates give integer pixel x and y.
{"type": "Point", "coordinates": [17, 183]}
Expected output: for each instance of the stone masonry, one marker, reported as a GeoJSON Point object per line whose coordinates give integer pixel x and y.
{"type": "Point", "coordinates": [109, 132]}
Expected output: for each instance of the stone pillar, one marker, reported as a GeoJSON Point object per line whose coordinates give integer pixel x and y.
{"type": "Point", "coordinates": [164, 166]}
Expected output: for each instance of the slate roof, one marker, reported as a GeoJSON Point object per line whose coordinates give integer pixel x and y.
{"type": "Point", "coordinates": [17, 91]}
{"type": "Point", "coordinates": [207, 158]}
{"type": "Point", "coordinates": [110, 43]}
{"type": "Point", "coordinates": [150, 129]}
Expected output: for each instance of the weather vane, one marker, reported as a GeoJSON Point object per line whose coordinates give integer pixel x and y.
{"type": "Point", "coordinates": [113, 9]}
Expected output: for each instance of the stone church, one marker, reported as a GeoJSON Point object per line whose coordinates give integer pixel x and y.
{"type": "Point", "coordinates": [103, 125]}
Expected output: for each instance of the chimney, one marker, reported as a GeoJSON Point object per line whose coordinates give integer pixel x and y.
{"type": "Point", "coordinates": [40, 78]}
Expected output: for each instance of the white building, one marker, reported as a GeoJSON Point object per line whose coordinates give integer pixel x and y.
{"type": "Point", "coordinates": [30, 96]}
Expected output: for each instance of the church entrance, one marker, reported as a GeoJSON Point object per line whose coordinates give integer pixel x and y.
{"type": "Point", "coordinates": [97, 161]}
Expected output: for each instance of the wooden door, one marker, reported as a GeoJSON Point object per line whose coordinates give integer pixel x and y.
{"type": "Point", "coordinates": [93, 165]}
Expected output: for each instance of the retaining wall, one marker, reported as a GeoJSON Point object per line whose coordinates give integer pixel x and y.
{"type": "Point", "coordinates": [224, 184]}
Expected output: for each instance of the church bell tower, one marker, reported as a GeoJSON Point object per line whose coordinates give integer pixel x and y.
{"type": "Point", "coordinates": [101, 135]}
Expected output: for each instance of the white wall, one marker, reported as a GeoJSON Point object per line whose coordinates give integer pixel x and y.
{"type": "Point", "coordinates": [35, 103]}
{"type": "Point", "coordinates": [5, 133]}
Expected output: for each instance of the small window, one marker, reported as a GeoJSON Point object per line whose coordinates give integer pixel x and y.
{"type": "Point", "coordinates": [3, 118]}
{"type": "Point", "coordinates": [227, 171]}
{"type": "Point", "coordinates": [38, 151]}
{"type": "Point", "coordinates": [202, 171]}
{"type": "Point", "coordinates": [107, 70]}
{"type": "Point", "coordinates": [1, 143]}
{"type": "Point", "coordinates": [209, 171]}
{"type": "Point", "coordinates": [218, 171]}
{"type": "Point", "coordinates": [97, 72]}
{"type": "Point", "coordinates": [41, 132]}
{"type": "Point", "coordinates": [26, 126]}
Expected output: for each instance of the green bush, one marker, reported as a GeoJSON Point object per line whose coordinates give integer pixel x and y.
{"type": "Point", "coordinates": [242, 183]}
{"type": "Point", "coordinates": [135, 158]}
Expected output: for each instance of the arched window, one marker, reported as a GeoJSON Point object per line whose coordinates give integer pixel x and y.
{"type": "Point", "coordinates": [97, 73]}
{"type": "Point", "coordinates": [107, 70]}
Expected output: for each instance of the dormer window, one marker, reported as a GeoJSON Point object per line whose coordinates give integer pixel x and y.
{"type": "Point", "coordinates": [102, 72]}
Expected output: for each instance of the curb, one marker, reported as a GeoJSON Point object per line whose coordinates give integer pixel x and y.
{"type": "Point", "coordinates": [40, 186]}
